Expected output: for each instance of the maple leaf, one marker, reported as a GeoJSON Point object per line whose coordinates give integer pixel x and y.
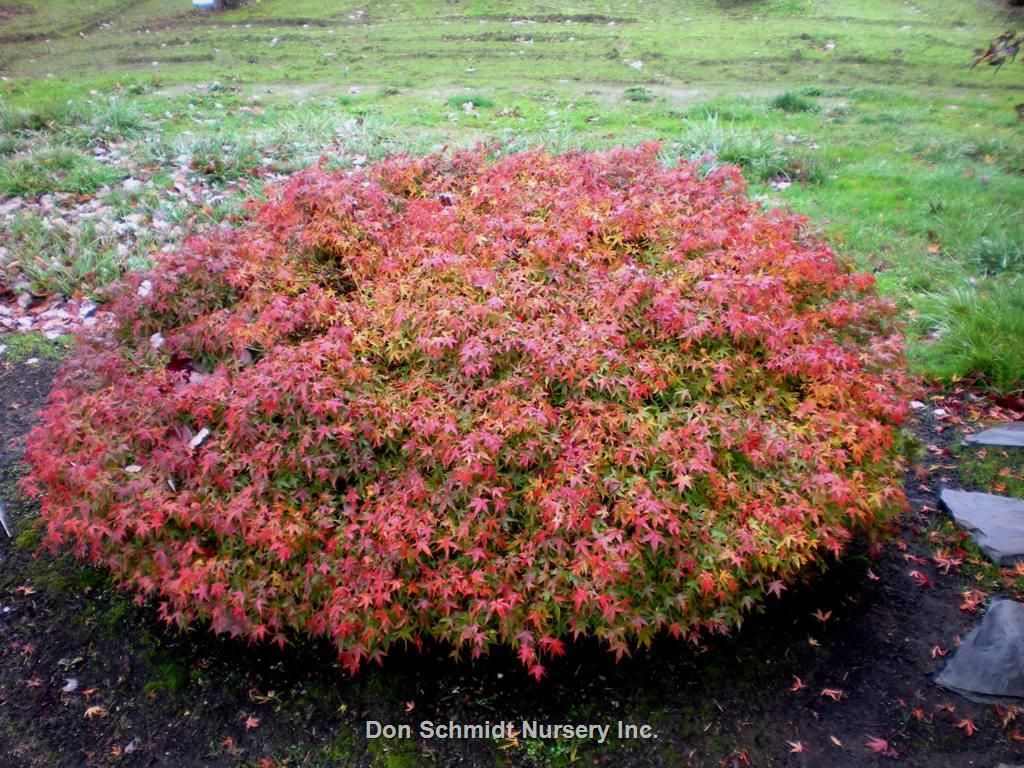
{"type": "Point", "coordinates": [34, 682]}
{"type": "Point", "coordinates": [920, 579]}
{"type": "Point", "coordinates": [833, 693]}
{"type": "Point", "coordinates": [877, 746]}
{"type": "Point", "coordinates": [252, 723]}
{"type": "Point", "coordinates": [946, 561]}
{"type": "Point", "coordinates": [822, 617]}
{"type": "Point", "coordinates": [95, 711]}
{"type": "Point", "coordinates": [798, 684]}
{"type": "Point", "coordinates": [795, 747]}
{"type": "Point", "coordinates": [776, 587]}
{"type": "Point", "coordinates": [938, 651]}
{"type": "Point", "coordinates": [972, 600]}
{"type": "Point", "coordinates": [966, 725]}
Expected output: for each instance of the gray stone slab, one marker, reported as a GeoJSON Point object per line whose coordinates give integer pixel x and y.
{"type": "Point", "coordinates": [995, 522]}
{"type": "Point", "coordinates": [1010, 435]}
{"type": "Point", "coordinates": [989, 665]}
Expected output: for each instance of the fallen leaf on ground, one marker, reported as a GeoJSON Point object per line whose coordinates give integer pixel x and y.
{"type": "Point", "coordinates": [795, 747]}
{"type": "Point", "coordinates": [833, 693]}
{"type": "Point", "coordinates": [966, 725]}
{"type": "Point", "coordinates": [798, 684]}
{"type": "Point", "coordinates": [95, 711]}
{"type": "Point", "coordinates": [920, 579]}
{"type": "Point", "coordinates": [877, 746]}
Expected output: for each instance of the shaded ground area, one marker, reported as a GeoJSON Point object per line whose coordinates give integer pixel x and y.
{"type": "Point", "coordinates": [88, 678]}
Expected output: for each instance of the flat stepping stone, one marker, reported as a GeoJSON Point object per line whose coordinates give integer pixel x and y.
{"type": "Point", "coordinates": [996, 523]}
{"type": "Point", "coordinates": [989, 665]}
{"type": "Point", "coordinates": [1009, 435]}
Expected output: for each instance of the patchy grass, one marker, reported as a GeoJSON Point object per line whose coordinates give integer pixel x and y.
{"type": "Point", "coordinates": [58, 258]}
{"type": "Point", "coordinates": [638, 93]}
{"type": "Point", "coordinates": [25, 346]}
{"type": "Point", "coordinates": [995, 470]}
{"type": "Point", "coordinates": [54, 168]}
{"type": "Point", "coordinates": [908, 160]}
{"type": "Point", "coordinates": [793, 102]}
{"type": "Point", "coordinates": [974, 328]}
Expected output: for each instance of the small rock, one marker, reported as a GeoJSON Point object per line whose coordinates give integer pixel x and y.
{"type": "Point", "coordinates": [990, 662]}
{"type": "Point", "coordinates": [25, 300]}
{"type": "Point", "coordinates": [995, 522]}
{"type": "Point", "coordinates": [1009, 435]}
{"type": "Point", "coordinates": [86, 309]}
{"type": "Point", "coordinates": [13, 205]}
{"type": "Point", "coordinates": [145, 289]}
{"type": "Point", "coordinates": [917, 405]}
{"type": "Point", "coordinates": [70, 685]}
{"type": "Point", "coordinates": [157, 340]}
{"type": "Point", "coordinates": [32, 361]}
{"type": "Point", "coordinates": [132, 745]}
{"type": "Point", "coordinates": [939, 413]}
{"type": "Point", "coordinates": [133, 469]}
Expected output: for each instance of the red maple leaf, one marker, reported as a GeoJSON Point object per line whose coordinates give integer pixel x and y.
{"type": "Point", "coordinates": [966, 725]}
{"type": "Point", "coordinates": [877, 746]}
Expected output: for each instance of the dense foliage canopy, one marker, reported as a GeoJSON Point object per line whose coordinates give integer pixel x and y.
{"type": "Point", "coordinates": [482, 401]}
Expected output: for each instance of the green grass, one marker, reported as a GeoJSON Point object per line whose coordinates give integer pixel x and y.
{"type": "Point", "coordinates": [53, 168]}
{"type": "Point", "coordinates": [793, 102]}
{"type": "Point", "coordinates": [993, 469]}
{"type": "Point", "coordinates": [908, 160]}
{"type": "Point", "coordinates": [57, 259]}
{"type": "Point", "coordinates": [975, 328]}
{"type": "Point", "coordinates": [638, 93]}
{"type": "Point", "coordinates": [25, 346]}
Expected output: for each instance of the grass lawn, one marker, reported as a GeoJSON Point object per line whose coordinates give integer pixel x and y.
{"type": "Point", "coordinates": [864, 116]}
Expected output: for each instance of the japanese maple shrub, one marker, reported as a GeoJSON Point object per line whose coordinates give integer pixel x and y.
{"type": "Point", "coordinates": [482, 401]}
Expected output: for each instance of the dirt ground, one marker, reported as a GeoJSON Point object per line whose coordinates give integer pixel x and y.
{"type": "Point", "coordinates": [87, 678]}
